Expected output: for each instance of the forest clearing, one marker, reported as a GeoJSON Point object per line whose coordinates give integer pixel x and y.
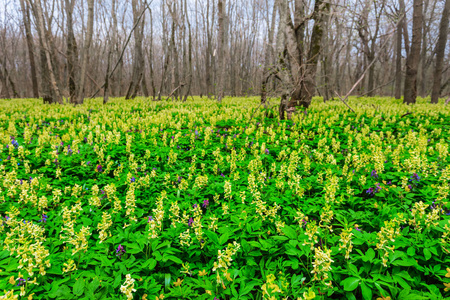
{"type": "Point", "coordinates": [224, 149]}
{"type": "Point", "coordinates": [208, 200]}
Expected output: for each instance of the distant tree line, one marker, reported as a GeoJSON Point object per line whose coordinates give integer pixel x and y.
{"type": "Point", "coordinates": [293, 49]}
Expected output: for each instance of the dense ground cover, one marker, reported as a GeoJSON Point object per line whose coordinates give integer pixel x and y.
{"type": "Point", "coordinates": [151, 200]}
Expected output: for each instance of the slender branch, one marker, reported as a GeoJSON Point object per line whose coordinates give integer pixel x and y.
{"type": "Point", "coordinates": [372, 62]}
{"type": "Point", "coordinates": [343, 100]}
{"type": "Point", "coordinates": [175, 89]}
{"type": "Point", "coordinates": [380, 86]}
{"type": "Point", "coordinates": [123, 49]}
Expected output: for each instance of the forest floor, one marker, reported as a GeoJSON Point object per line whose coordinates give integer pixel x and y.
{"type": "Point", "coordinates": [204, 200]}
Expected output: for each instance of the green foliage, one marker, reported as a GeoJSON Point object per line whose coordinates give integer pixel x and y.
{"type": "Point", "coordinates": [195, 201]}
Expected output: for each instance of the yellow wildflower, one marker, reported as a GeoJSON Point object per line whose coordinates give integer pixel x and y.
{"type": "Point", "coordinates": [11, 280]}
{"type": "Point", "coordinates": [448, 272]}
{"type": "Point", "coordinates": [178, 282]}
{"type": "Point", "coordinates": [202, 273]}
{"type": "Point", "coordinates": [447, 286]}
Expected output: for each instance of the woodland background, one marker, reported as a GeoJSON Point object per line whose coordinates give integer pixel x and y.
{"type": "Point", "coordinates": [215, 48]}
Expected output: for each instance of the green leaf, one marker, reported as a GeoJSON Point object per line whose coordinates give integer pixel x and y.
{"type": "Point", "coordinates": [212, 236]}
{"type": "Point", "coordinates": [78, 287]}
{"type": "Point", "coordinates": [175, 259]}
{"type": "Point", "coordinates": [427, 253]}
{"type": "Point", "coordinates": [167, 278]}
{"type": "Point", "coordinates": [411, 251]}
{"type": "Point", "coordinates": [224, 238]}
{"type": "Point", "coordinates": [370, 254]}
{"type": "Point", "coordinates": [366, 291]}
{"type": "Point", "coordinates": [350, 283]}
{"type": "Point", "coordinates": [63, 292]}
{"type": "Point", "coordinates": [402, 282]}
{"type": "Point", "coordinates": [290, 232]}
{"type": "Point", "coordinates": [150, 264]}
{"type": "Point", "coordinates": [247, 289]}
{"type": "Point", "coordinates": [105, 261]}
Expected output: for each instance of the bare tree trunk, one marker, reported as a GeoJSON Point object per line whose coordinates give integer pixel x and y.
{"type": "Point", "coordinates": [440, 52]}
{"type": "Point", "coordinates": [72, 55]}
{"type": "Point", "coordinates": [30, 45]}
{"type": "Point", "coordinates": [413, 58]}
{"type": "Point", "coordinates": [85, 55]}
{"type": "Point", "coordinates": [190, 74]}
{"type": "Point", "coordinates": [268, 59]}
{"type": "Point", "coordinates": [404, 26]}
{"type": "Point", "coordinates": [304, 91]}
{"type": "Point", "coordinates": [138, 63]}
{"type": "Point", "coordinates": [106, 88]}
{"type": "Point", "coordinates": [221, 50]}
{"type": "Point", "coordinates": [4, 82]}
{"type": "Point", "coordinates": [150, 57]}
{"type": "Point", "coordinates": [398, 59]}
{"type": "Point", "coordinates": [48, 74]}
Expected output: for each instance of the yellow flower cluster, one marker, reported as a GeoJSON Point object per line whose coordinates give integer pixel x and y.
{"type": "Point", "coordinates": [387, 234]}
{"type": "Point", "coordinates": [346, 240]}
{"type": "Point", "coordinates": [223, 262]}
{"type": "Point", "coordinates": [128, 287]}
{"type": "Point", "coordinates": [103, 227]}
{"type": "Point", "coordinates": [322, 265]}
{"type": "Point", "coordinates": [155, 224]}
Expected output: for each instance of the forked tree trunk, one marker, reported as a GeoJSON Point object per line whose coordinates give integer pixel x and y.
{"type": "Point", "coordinates": [52, 94]}
{"type": "Point", "coordinates": [412, 61]}
{"type": "Point", "coordinates": [221, 50]}
{"type": "Point", "coordinates": [440, 52]}
{"type": "Point", "coordinates": [72, 53]}
{"type": "Point", "coordinates": [87, 45]}
{"type": "Point", "coordinates": [30, 45]}
{"type": "Point", "coordinates": [398, 59]}
{"type": "Point", "coordinates": [138, 63]}
{"type": "Point", "coordinates": [304, 90]}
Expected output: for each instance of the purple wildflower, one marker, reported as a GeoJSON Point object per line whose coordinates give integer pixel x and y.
{"type": "Point", "coordinates": [374, 174]}
{"type": "Point", "coordinates": [415, 177]}
{"type": "Point", "coordinates": [99, 168]}
{"type": "Point", "coordinates": [267, 151]}
{"type": "Point", "coordinates": [21, 282]}
{"type": "Point", "coordinates": [44, 218]}
{"type": "Point", "coordinates": [190, 222]}
{"type": "Point", "coordinates": [133, 179]}
{"type": "Point", "coordinates": [205, 203]}
{"type": "Point", "coordinates": [120, 251]}
{"type": "Point", "coordinates": [150, 218]}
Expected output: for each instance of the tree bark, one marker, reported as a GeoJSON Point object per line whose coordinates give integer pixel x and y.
{"type": "Point", "coordinates": [304, 91]}
{"type": "Point", "coordinates": [138, 62]}
{"type": "Point", "coordinates": [72, 53]}
{"type": "Point", "coordinates": [30, 45]}
{"type": "Point", "coordinates": [398, 59]}
{"type": "Point", "coordinates": [440, 52]}
{"type": "Point", "coordinates": [221, 50]}
{"type": "Point", "coordinates": [413, 58]}
{"type": "Point", "coordinates": [268, 57]}
{"type": "Point", "coordinates": [52, 94]}
{"type": "Point", "coordinates": [86, 48]}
